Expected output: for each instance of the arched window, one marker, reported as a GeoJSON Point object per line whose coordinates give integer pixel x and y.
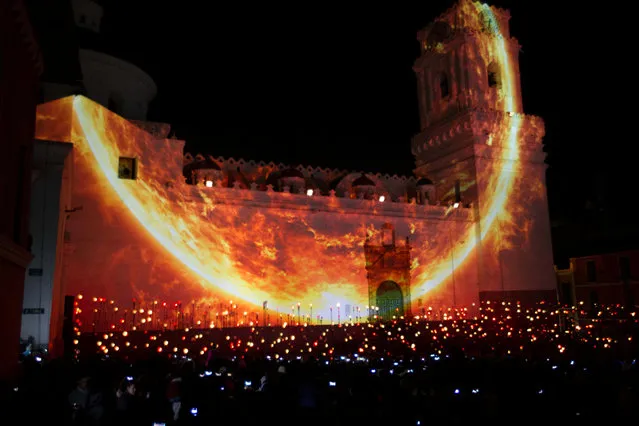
{"type": "Point", "coordinates": [444, 87]}
{"type": "Point", "coordinates": [494, 79]}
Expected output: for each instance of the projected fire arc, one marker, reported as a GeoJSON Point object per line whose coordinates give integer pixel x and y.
{"type": "Point", "coordinates": [283, 255]}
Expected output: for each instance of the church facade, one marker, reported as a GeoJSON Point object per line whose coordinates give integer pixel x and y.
{"type": "Point", "coordinates": [149, 228]}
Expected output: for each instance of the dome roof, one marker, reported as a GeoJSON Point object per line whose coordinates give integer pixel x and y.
{"type": "Point", "coordinates": [291, 173]}
{"type": "Point", "coordinates": [237, 176]}
{"type": "Point", "coordinates": [272, 178]}
{"type": "Point", "coordinates": [424, 181]}
{"type": "Point", "coordinates": [335, 182]}
{"type": "Point", "coordinates": [363, 181]}
{"type": "Point", "coordinates": [206, 164]}
{"type": "Point", "coordinates": [318, 184]}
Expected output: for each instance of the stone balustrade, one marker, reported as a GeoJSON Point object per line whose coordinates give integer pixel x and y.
{"type": "Point", "coordinates": [330, 203]}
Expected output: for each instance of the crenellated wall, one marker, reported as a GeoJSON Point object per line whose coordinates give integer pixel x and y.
{"type": "Point", "coordinates": [263, 176]}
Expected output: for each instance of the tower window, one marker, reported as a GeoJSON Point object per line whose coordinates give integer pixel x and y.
{"type": "Point", "coordinates": [494, 79]}
{"type": "Point", "coordinates": [444, 87]}
{"type": "Point", "coordinates": [127, 168]}
{"type": "Point", "coordinates": [591, 271]}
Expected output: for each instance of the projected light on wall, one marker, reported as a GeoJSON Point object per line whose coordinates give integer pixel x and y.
{"type": "Point", "coordinates": [148, 235]}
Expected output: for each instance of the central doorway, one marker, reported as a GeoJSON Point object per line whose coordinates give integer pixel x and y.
{"type": "Point", "coordinates": [390, 300]}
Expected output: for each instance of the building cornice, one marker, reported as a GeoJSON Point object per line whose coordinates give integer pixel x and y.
{"type": "Point", "coordinates": [479, 123]}
{"type": "Point", "coordinates": [327, 204]}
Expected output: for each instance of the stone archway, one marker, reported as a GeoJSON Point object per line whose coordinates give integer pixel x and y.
{"type": "Point", "coordinates": [390, 300]}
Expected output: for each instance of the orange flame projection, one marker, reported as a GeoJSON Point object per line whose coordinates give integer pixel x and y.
{"type": "Point", "coordinates": [260, 246]}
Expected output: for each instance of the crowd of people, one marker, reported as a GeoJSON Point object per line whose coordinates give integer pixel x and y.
{"type": "Point", "coordinates": [509, 365]}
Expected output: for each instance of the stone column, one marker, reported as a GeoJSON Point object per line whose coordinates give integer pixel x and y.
{"type": "Point", "coordinates": [42, 280]}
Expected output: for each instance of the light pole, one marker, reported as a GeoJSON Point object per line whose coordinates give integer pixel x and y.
{"type": "Point", "coordinates": [452, 264]}
{"type": "Point", "coordinates": [311, 307]}
{"type": "Point", "coordinates": [338, 317]}
{"type": "Point", "coordinates": [299, 320]}
{"type": "Point", "coordinates": [331, 309]}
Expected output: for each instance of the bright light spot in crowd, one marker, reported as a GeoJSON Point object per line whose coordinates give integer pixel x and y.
{"type": "Point", "coordinates": [382, 198]}
{"type": "Point", "coordinates": [209, 184]}
{"type": "Point", "coordinates": [309, 192]}
{"type": "Point", "coordinates": [456, 205]}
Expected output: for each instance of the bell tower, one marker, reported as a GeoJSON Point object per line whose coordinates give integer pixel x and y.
{"type": "Point", "coordinates": [480, 150]}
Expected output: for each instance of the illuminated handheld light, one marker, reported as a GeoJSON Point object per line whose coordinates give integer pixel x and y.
{"type": "Point", "coordinates": [209, 184]}
{"type": "Point", "coordinates": [382, 198]}
{"type": "Point", "coordinates": [309, 192]}
{"type": "Point", "coordinates": [456, 205]}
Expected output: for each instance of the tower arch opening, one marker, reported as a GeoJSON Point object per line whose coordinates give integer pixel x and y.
{"type": "Point", "coordinates": [390, 300]}
{"type": "Point", "coordinates": [494, 76]}
{"type": "Point", "coordinates": [444, 85]}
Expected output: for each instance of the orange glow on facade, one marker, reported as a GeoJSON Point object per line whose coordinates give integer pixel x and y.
{"type": "Point", "coordinates": [149, 235]}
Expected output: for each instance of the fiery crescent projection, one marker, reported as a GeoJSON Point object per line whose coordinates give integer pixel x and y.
{"type": "Point", "coordinates": [278, 255]}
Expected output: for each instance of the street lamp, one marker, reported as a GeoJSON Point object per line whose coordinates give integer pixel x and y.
{"type": "Point", "coordinates": [338, 317]}
{"type": "Point", "coordinates": [311, 307]}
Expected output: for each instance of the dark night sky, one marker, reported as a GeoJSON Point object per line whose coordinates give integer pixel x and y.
{"type": "Point", "coordinates": [332, 85]}
{"type": "Point", "coordinates": [326, 85]}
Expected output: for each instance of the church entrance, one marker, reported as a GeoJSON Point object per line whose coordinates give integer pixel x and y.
{"type": "Point", "coordinates": [389, 300]}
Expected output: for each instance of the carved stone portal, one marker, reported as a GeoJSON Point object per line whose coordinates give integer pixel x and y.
{"type": "Point", "coordinates": [388, 274]}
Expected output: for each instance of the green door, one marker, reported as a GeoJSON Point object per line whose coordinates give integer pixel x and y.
{"type": "Point", "coordinates": [390, 300]}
